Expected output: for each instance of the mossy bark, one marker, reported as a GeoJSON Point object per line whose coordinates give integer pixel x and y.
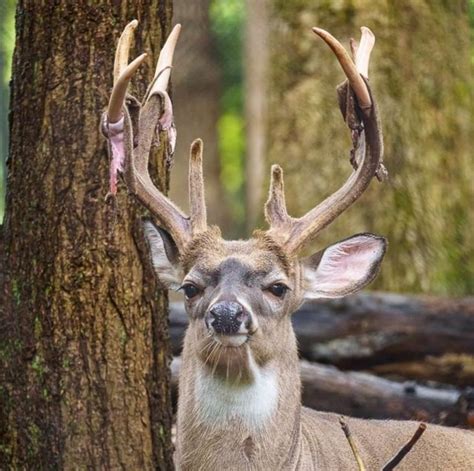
{"type": "Point", "coordinates": [84, 343]}
{"type": "Point", "coordinates": [420, 71]}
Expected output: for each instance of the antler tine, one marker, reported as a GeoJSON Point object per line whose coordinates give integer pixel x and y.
{"type": "Point", "coordinates": [197, 203]}
{"type": "Point", "coordinates": [138, 177]}
{"type": "Point", "coordinates": [165, 61]}
{"type": "Point", "coordinates": [296, 232]}
{"type": "Point", "coordinates": [123, 49]}
{"type": "Point", "coordinates": [131, 152]}
{"type": "Point", "coordinates": [275, 207]}
{"type": "Point", "coordinates": [362, 55]}
{"type": "Point", "coordinates": [355, 80]}
{"type": "Point", "coordinates": [123, 72]}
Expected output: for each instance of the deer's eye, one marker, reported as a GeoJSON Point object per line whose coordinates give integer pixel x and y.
{"type": "Point", "coordinates": [278, 289]}
{"type": "Point", "coordinates": [190, 290]}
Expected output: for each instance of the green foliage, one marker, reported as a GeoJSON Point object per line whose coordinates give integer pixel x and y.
{"type": "Point", "coordinates": [231, 148]}
{"type": "Point", "coordinates": [227, 21]}
{"type": "Point", "coordinates": [7, 42]}
{"type": "Point", "coordinates": [7, 38]}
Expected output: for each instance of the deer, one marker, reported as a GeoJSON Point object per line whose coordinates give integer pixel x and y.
{"type": "Point", "coordinates": [239, 404]}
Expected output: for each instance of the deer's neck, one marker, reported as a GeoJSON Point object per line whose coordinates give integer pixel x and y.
{"type": "Point", "coordinates": [239, 424]}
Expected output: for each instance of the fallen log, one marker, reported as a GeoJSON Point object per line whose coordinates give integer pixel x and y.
{"type": "Point", "coordinates": [388, 333]}
{"type": "Point", "coordinates": [451, 368]}
{"type": "Point", "coordinates": [326, 388]}
{"type": "Point", "coordinates": [368, 396]}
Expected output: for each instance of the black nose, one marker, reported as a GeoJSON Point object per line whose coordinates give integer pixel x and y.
{"type": "Point", "coordinates": [226, 317]}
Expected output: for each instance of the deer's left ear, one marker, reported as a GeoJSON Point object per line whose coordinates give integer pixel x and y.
{"type": "Point", "coordinates": [343, 268]}
{"type": "Point", "coordinates": [164, 255]}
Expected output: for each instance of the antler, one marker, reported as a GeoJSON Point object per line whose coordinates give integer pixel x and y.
{"type": "Point", "coordinates": [154, 113]}
{"type": "Point", "coordinates": [295, 232]}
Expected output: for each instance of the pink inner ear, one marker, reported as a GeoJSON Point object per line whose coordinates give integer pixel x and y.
{"type": "Point", "coordinates": [115, 136]}
{"type": "Point", "coordinates": [347, 266]}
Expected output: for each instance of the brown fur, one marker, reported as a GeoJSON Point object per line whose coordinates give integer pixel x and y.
{"type": "Point", "coordinates": [294, 438]}
{"type": "Point", "coordinates": [269, 244]}
{"type": "Point", "coordinates": [208, 242]}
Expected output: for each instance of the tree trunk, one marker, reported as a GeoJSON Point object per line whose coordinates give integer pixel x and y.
{"type": "Point", "coordinates": [423, 90]}
{"type": "Point", "coordinates": [256, 64]}
{"type": "Point", "coordinates": [85, 349]}
{"type": "Point", "coordinates": [197, 82]}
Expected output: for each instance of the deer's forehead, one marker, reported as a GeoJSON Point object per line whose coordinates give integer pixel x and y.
{"type": "Point", "coordinates": [241, 259]}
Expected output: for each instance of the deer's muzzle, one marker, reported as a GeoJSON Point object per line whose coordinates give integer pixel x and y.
{"type": "Point", "coordinates": [227, 318]}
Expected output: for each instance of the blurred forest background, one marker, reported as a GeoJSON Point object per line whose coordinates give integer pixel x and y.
{"type": "Point", "coordinates": [253, 81]}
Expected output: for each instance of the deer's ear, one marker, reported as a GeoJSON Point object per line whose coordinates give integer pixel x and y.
{"type": "Point", "coordinates": [164, 255]}
{"type": "Point", "coordinates": [343, 268]}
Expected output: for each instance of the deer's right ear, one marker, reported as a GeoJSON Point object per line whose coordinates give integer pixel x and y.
{"type": "Point", "coordinates": [343, 268]}
{"type": "Point", "coordinates": [164, 255]}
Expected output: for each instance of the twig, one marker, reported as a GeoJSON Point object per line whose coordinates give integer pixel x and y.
{"type": "Point", "coordinates": [347, 433]}
{"type": "Point", "coordinates": [395, 461]}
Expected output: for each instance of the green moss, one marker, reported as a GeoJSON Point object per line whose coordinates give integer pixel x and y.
{"type": "Point", "coordinates": [34, 435]}
{"type": "Point", "coordinates": [38, 328]}
{"type": "Point", "coordinates": [123, 336]}
{"type": "Point", "coordinates": [16, 292]}
{"type": "Point", "coordinates": [37, 365]}
{"type": "Point", "coordinates": [9, 348]}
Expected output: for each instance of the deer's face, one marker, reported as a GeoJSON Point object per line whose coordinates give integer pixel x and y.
{"type": "Point", "coordinates": [239, 294]}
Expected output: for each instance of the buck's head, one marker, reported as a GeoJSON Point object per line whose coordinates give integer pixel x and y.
{"type": "Point", "coordinates": [240, 294]}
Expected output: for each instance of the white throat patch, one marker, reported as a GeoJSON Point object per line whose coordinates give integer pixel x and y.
{"type": "Point", "coordinates": [219, 402]}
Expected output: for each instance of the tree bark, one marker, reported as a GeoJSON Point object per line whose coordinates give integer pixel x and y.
{"type": "Point", "coordinates": [416, 337]}
{"type": "Point", "coordinates": [423, 90]}
{"type": "Point", "coordinates": [84, 343]}
{"type": "Point", "coordinates": [326, 388]}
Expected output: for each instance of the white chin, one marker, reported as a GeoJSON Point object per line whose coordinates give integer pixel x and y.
{"type": "Point", "coordinates": [231, 340]}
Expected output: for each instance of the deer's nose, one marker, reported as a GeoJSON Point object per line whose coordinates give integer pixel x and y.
{"type": "Point", "coordinates": [226, 317]}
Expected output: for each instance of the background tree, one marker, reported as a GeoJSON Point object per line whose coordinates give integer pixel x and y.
{"type": "Point", "coordinates": [84, 349]}
{"type": "Point", "coordinates": [256, 60]}
{"type": "Point", "coordinates": [197, 86]}
{"type": "Point", "coordinates": [422, 77]}
{"type": "Point", "coordinates": [7, 37]}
